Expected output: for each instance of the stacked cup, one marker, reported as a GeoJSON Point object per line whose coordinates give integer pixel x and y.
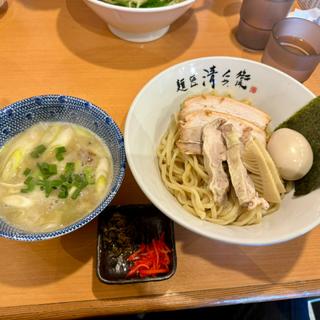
{"type": "Point", "coordinates": [294, 47]}
{"type": "Point", "coordinates": [257, 18]}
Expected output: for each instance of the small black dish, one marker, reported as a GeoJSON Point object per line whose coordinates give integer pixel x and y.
{"type": "Point", "coordinates": [121, 231]}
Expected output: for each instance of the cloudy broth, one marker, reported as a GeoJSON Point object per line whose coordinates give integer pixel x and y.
{"type": "Point", "coordinates": [51, 175]}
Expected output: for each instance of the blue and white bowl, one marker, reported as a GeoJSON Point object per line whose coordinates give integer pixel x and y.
{"type": "Point", "coordinates": [23, 114]}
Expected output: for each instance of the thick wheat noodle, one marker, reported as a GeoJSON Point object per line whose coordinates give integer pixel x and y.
{"type": "Point", "coordinates": [200, 171]}
{"type": "Point", "coordinates": [185, 177]}
{"type": "Point", "coordinates": [172, 166]}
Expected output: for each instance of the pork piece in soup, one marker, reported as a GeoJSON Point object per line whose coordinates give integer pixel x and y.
{"type": "Point", "coordinates": [51, 175]}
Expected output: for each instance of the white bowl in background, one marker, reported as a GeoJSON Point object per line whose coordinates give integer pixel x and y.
{"type": "Point", "coordinates": [139, 24]}
{"type": "Point", "coordinates": [271, 90]}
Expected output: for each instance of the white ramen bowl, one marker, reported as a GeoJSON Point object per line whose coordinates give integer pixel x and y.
{"type": "Point", "coordinates": [267, 88]}
{"type": "Point", "coordinates": [139, 24]}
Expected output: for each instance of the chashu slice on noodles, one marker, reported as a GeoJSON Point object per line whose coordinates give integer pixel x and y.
{"type": "Point", "coordinates": [190, 147]}
{"type": "Point", "coordinates": [190, 130]}
{"type": "Point", "coordinates": [225, 105]}
{"type": "Point", "coordinates": [214, 153]}
{"type": "Point", "coordinates": [240, 179]}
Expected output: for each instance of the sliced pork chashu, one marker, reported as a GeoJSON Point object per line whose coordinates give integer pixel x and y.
{"type": "Point", "coordinates": [190, 130]}
{"type": "Point", "coordinates": [214, 153]}
{"type": "Point", "coordinates": [225, 105]}
{"type": "Point", "coordinates": [242, 183]}
{"type": "Point", "coordinates": [190, 147]}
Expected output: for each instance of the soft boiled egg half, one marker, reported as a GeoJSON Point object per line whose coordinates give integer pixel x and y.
{"type": "Point", "coordinates": [291, 153]}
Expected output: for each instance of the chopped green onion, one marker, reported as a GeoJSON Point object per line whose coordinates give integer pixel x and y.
{"type": "Point", "coordinates": [55, 183]}
{"type": "Point", "coordinates": [69, 168]}
{"type": "Point", "coordinates": [63, 193]}
{"type": "Point", "coordinates": [59, 156]}
{"type": "Point", "coordinates": [52, 168]}
{"type": "Point", "coordinates": [67, 186]}
{"type": "Point", "coordinates": [47, 188]}
{"type": "Point", "coordinates": [30, 183]}
{"type": "Point", "coordinates": [28, 180]}
{"type": "Point", "coordinates": [66, 183]}
{"type": "Point", "coordinates": [47, 170]}
{"type": "Point", "coordinates": [61, 149]}
{"type": "Point", "coordinates": [88, 172]}
{"type": "Point", "coordinates": [40, 182]}
{"type": "Point", "coordinates": [59, 153]}
{"type": "Point", "coordinates": [50, 185]}
{"type": "Point", "coordinates": [80, 182]}
{"type": "Point", "coordinates": [76, 193]}
{"type": "Point", "coordinates": [43, 167]}
{"type": "Point", "coordinates": [77, 180]}
{"type": "Point", "coordinates": [38, 151]}
{"type": "Point", "coordinates": [27, 171]}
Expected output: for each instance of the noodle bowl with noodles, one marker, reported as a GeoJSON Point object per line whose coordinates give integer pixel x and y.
{"type": "Point", "coordinates": [150, 116]}
{"type": "Point", "coordinates": [186, 175]}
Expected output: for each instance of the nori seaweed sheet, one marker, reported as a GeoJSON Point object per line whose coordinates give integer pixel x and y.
{"type": "Point", "coordinates": [307, 122]}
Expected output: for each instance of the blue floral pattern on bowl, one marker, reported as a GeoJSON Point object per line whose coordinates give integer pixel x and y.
{"type": "Point", "coordinates": [21, 115]}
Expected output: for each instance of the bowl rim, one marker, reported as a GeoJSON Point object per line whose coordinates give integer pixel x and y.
{"type": "Point", "coordinates": [146, 10]}
{"type": "Point", "coordinates": [37, 236]}
{"type": "Point", "coordinates": [140, 181]}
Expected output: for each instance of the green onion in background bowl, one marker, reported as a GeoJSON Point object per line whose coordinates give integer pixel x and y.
{"type": "Point", "coordinates": [139, 20]}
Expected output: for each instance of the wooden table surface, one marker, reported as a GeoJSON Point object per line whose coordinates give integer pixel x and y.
{"type": "Point", "coordinates": [60, 46]}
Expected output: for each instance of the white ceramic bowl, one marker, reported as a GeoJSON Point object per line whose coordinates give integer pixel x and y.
{"type": "Point", "coordinates": [138, 24]}
{"type": "Point", "coordinates": [149, 116]}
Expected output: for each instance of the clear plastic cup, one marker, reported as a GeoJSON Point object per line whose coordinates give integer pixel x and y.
{"type": "Point", "coordinates": [257, 18]}
{"type": "Point", "coordinates": [252, 37]}
{"type": "Point", "coordinates": [263, 14]}
{"type": "Point", "coordinates": [294, 47]}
